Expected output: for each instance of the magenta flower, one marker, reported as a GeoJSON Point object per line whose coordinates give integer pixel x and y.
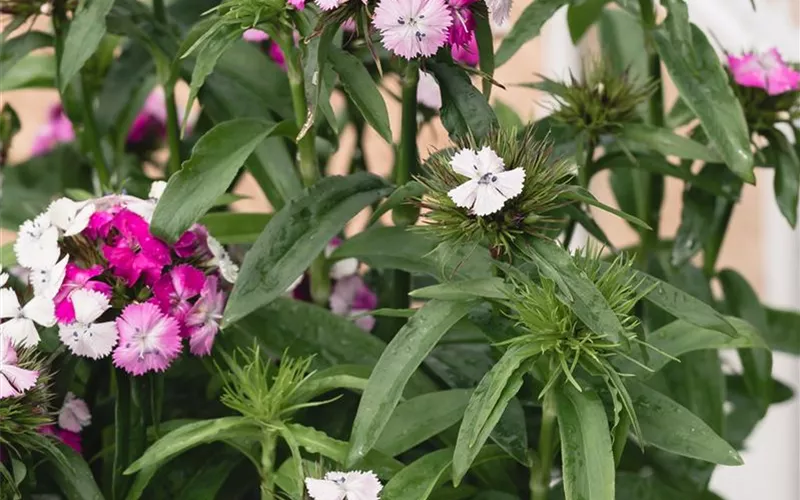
{"type": "Point", "coordinates": [412, 28]}
{"type": "Point", "coordinates": [463, 27]}
{"type": "Point", "coordinates": [69, 438]}
{"type": "Point", "coordinates": [174, 290]}
{"type": "Point", "coordinates": [350, 297]}
{"type": "Point", "coordinates": [58, 129]}
{"type": "Point", "coordinates": [149, 340]}
{"type": "Point", "coordinates": [193, 243]}
{"type": "Point", "coordinates": [150, 125]}
{"type": "Point", "coordinates": [297, 4]}
{"type": "Point", "coordinates": [77, 278]}
{"type": "Point", "coordinates": [276, 54]}
{"type": "Point", "coordinates": [134, 251]}
{"type": "Point", "coordinates": [767, 71]}
{"type": "Point", "coordinates": [467, 53]}
{"type": "Point", "coordinates": [100, 223]}
{"type": "Point", "coordinates": [202, 320]}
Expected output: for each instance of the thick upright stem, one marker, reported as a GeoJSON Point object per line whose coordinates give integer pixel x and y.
{"type": "Point", "coordinates": [90, 130]}
{"type": "Point", "coordinates": [540, 478]}
{"type": "Point", "coordinates": [267, 472]}
{"type": "Point", "coordinates": [173, 127]}
{"type": "Point", "coordinates": [306, 153]}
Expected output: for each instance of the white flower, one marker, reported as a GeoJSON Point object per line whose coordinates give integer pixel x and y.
{"type": "Point", "coordinates": [83, 336]}
{"type": "Point", "coordinates": [227, 268]}
{"type": "Point", "coordinates": [355, 485]}
{"type": "Point", "coordinates": [37, 243]}
{"type": "Point", "coordinates": [74, 415]}
{"type": "Point", "coordinates": [342, 268]}
{"type": "Point", "coordinates": [500, 10]}
{"type": "Point", "coordinates": [70, 216]}
{"type": "Point", "coordinates": [46, 282]}
{"type": "Point", "coordinates": [490, 186]}
{"type": "Point", "coordinates": [14, 381]}
{"type": "Point", "coordinates": [428, 92]}
{"type": "Point", "coordinates": [156, 190]}
{"type": "Point", "coordinates": [19, 327]}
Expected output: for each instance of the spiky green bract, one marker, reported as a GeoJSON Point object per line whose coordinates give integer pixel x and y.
{"type": "Point", "coordinates": [531, 213]}
{"type": "Point", "coordinates": [763, 111]}
{"type": "Point", "coordinates": [250, 389]}
{"type": "Point", "coordinates": [599, 104]}
{"type": "Point", "coordinates": [570, 349]}
{"type": "Point", "coordinates": [21, 418]}
{"type": "Point", "coordinates": [250, 13]}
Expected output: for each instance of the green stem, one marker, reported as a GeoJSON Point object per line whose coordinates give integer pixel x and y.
{"type": "Point", "coordinates": [306, 152]}
{"type": "Point", "coordinates": [407, 165]}
{"type": "Point", "coordinates": [621, 436]}
{"type": "Point", "coordinates": [584, 178]}
{"type": "Point", "coordinates": [540, 479]}
{"type": "Point", "coordinates": [90, 131]}
{"type": "Point", "coordinates": [267, 472]}
{"type": "Point", "coordinates": [173, 127]}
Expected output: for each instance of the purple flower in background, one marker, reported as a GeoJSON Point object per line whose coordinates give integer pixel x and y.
{"type": "Point", "coordinates": [467, 53]}
{"type": "Point", "coordinates": [58, 129]}
{"type": "Point", "coordinates": [150, 125]}
{"type": "Point", "coordinates": [273, 51]}
{"type": "Point", "coordinates": [352, 297]}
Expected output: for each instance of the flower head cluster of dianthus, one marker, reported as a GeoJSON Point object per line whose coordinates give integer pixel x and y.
{"type": "Point", "coordinates": [98, 272]}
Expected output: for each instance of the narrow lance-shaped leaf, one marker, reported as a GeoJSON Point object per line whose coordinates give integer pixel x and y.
{"type": "Point", "coordinates": [787, 175]}
{"type": "Point", "coordinates": [71, 473]}
{"type": "Point", "coordinates": [586, 454]}
{"type": "Point", "coordinates": [483, 35]}
{"type": "Point", "coordinates": [784, 331]}
{"type": "Point", "coordinates": [235, 228]}
{"type": "Point", "coordinates": [581, 15]}
{"type": "Point", "coordinates": [20, 46]}
{"type": "Point", "coordinates": [464, 109]}
{"type": "Point", "coordinates": [527, 27]}
{"type": "Point", "coordinates": [206, 175]}
{"type": "Point", "coordinates": [86, 30]}
{"type": "Point", "coordinates": [487, 288]}
{"type": "Point", "coordinates": [666, 142]}
{"type": "Point", "coordinates": [295, 236]}
{"type": "Point", "coordinates": [404, 354]}
{"type": "Point", "coordinates": [671, 427]}
{"type": "Point", "coordinates": [411, 189]}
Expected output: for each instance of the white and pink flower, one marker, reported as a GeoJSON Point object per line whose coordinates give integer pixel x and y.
{"type": "Point", "coordinates": [149, 340]}
{"type": "Point", "coordinates": [14, 380]}
{"type": "Point", "coordinates": [766, 70]}
{"type": "Point", "coordinates": [412, 28]}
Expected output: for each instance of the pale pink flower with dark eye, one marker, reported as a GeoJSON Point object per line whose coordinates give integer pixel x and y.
{"type": "Point", "coordinates": [412, 28]}
{"type": "Point", "coordinates": [202, 320]}
{"type": "Point", "coordinates": [428, 92]}
{"type": "Point", "coordinates": [255, 35]}
{"type": "Point", "coordinates": [149, 340]}
{"type": "Point", "coordinates": [467, 53]}
{"type": "Point", "coordinates": [133, 251]}
{"type": "Point", "coordinates": [767, 71]}
{"type": "Point", "coordinates": [75, 279]}
{"type": "Point", "coordinates": [350, 297]}
{"type": "Point", "coordinates": [174, 290]}
{"type": "Point", "coordinates": [14, 381]}
{"type": "Point", "coordinates": [74, 414]}
{"type": "Point", "coordinates": [58, 129]}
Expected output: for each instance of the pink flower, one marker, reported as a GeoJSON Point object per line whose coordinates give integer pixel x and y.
{"type": "Point", "coordinates": [193, 243]}
{"type": "Point", "coordinates": [149, 340]}
{"type": "Point", "coordinates": [413, 28]}
{"type": "Point", "coordinates": [767, 71]}
{"type": "Point", "coordinates": [74, 414]}
{"type": "Point", "coordinates": [276, 54]}
{"type": "Point", "coordinates": [100, 223]}
{"type": "Point", "coordinates": [468, 53]}
{"type": "Point", "coordinates": [297, 4]}
{"type": "Point", "coordinates": [174, 290]}
{"type": "Point", "coordinates": [350, 297]}
{"type": "Point", "coordinates": [463, 26]}
{"type": "Point", "coordinates": [69, 438]}
{"type": "Point", "coordinates": [202, 320]}
{"type": "Point", "coordinates": [58, 129]}
{"type": "Point", "coordinates": [134, 251]}
{"type": "Point", "coordinates": [77, 278]}
{"type": "Point", "coordinates": [150, 125]}
{"type": "Point", "coordinates": [255, 35]}
{"type": "Point", "coordinates": [14, 381]}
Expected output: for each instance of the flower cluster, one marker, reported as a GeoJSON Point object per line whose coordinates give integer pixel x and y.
{"type": "Point", "coordinates": [412, 28]}
{"type": "Point", "coordinates": [354, 485]}
{"type": "Point", "coordinates": [99, 274]}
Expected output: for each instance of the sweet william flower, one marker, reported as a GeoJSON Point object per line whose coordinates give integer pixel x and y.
{"type": "Point", "coordinates": [412, 28]}
{"type": "Point", "coordinates": [255, 35]}
{"type": "Point", "coordinates": [14, 380]}
{"type": "Point", "coordinates": [70, 216]}
{"type": "Point", "coordinates": [69, 438]}
{"type": "Point", "coordinates": [175, 289]}
{"type": "Point", "coordinates": [74, 414]}
{"type": "Point", "coordinates": [202, 320]}
{"type": "Point", "coordinates": [58, 129]}
{"type": "Point", "coordinates": [227, 268]}
{"type": "Point", "coordinates": [766, 70]}
{"type": "Point", "coordinates": [77, 278]}
{"type": "Point", "coordinates": [149, 340]}
{"type": "Point", "coordinates": [489, 185]}
{"type": "Point", "coordinates": [46, 282]}
{"type": "Point", "coordinates": [134, 251]}
{"type": "Point", "coordinates": [463, 26]}
{"type": "Point", "coordinates": [466, 53]}
{"type": "Point", "coordinates": [84, 336]}
{"type": "Point", "coordinates": [355, 485]}
{"type": "Point", "coordinates": [351, 297]}
{"type": "Point", "coordinates": [19, 327]}
{"type": "Point", "coordinates": [500, 10]}
{"type": "Point", "coordinates": [37, 243]}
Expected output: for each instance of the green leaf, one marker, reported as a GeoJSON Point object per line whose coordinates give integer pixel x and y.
{"type": "Point", "coordinates": [234, 227]}
{"type": "Point", "coordinates": [698, 215]}
{"type": "Point", "coordinates": [680, 337]}
{"type": "Point", "coordinates": [32, 71]}
{"type": "Point", "coordinates": [486, 406]}
{"type": "Point", "coordinates": [421, 418]}
{"type": "Point", "coordinates": [411, 189]}
{"type": "Point", "coordinates": [679, 115]}
{"type": "Point", "coordinates": [404, 354]}
{"type": "Point", "coordinates": [207, 174]}
{"type": "Point", "coordinates": [703, 84]}
{"type": "Point", "coordinates": [581, 15]}
{"type": "Point", "coordinates": [352, 377]}
{"type": "Point", "coordinates": [527, 27]}
{"type": "Point", "coordinates": [583, 195]}
{"type": "Point", "coordinates": [681, 304]}
{"type": "Point", "coordinates": [71, 473]}
{"type": "Point", "coordinates": [622, 39]}
{"type": "Point", "coordinates": [17, 48]}
{"type": "Point", "coordinates": [464, 110]}
{"type": "Point", "coordinates": [487, 288]}
{"type": "Point", "coordinates": [409, 250]}
{"type": "Point", "coordinates": [317, 94]}
{"type": "Point", "coordinates": [86, 30]}
{"type": "Point", "coordinates": [190, 435]}
{"type": "Point", "coordinates": [577, 291]}
{"type": "Point", "coordinates": [506, 116]}
{"type": "Point", "coordinates": [586, 455]}
{"type": "Point", "coordinates": [485, 40]}
{"type": "Point", "coordinates": [671, 427]}
{"type": "Point", "coordinates": [666, 142]}
{"type": "Point", "coordinates": [787, 176]}
{"type": "Point", "coordinates": [362, 90]}
{"type": "Point", "coordinates": [295, 236]}
{"type": "Point", "coordinates": [637, 486]}
{"type": "Point", "coordinates": [784, 331]}
{"type": "Point", "coordinates": [743, 301]}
